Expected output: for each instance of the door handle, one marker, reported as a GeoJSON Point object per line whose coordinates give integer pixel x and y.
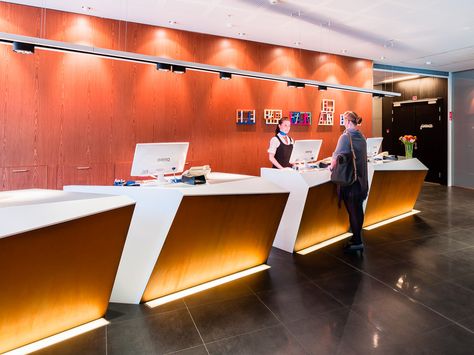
{"type": "Point", "coordinates": [15, 171]}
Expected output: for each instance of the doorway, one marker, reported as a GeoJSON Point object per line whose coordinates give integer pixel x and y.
{"type": "Point", "coordinates": [425, 119]}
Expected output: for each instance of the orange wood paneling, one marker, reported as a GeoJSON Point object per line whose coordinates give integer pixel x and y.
{"type": "Point", "coordinates": [59, 277]}
{"type": "Point", "coordinates": [63, 109]}
{"type": "Point", "coordinates": [25, 177]}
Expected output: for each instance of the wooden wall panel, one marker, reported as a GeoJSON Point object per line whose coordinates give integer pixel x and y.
{"type": "Point", "coordinates": [60, 109]}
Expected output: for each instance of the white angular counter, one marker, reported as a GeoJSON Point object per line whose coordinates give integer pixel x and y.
{"type": "Point", "coordinates": [182, 235]}
{"type": "Point", "coordinates": [59, 253]}
{"type": "Point", "coordinates": [312, 214]}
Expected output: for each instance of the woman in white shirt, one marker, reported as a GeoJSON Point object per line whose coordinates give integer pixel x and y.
{"type": "Point", "coordinates": [281, 145]}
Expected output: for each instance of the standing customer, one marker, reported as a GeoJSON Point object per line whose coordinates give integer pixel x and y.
{"type": "Point", "coordinates": [281, 145]}
{"type": "Point", "coordinates": [355, 194]}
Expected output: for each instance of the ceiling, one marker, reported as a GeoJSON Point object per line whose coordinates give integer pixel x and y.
{"type": "Point", "coordinates": [428, 34]}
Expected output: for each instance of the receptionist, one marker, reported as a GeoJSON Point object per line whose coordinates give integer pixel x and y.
{"type": "Point", "coordinates": [281, 145]}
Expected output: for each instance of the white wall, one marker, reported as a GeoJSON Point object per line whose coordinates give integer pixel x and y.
{"type": "Point", "coordinates": [463, 129]}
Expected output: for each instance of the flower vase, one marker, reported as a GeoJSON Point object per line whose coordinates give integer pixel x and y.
{"type": "Point", "coordinates": [408, 150]}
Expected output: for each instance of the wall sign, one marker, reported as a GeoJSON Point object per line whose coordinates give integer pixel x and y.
{"type": "Point", "coordinates": [300, 118]}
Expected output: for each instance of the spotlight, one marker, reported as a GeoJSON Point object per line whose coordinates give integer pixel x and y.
{"type": "Point", "coordinates": [163, 67]}
{"type": "Point", "coordinates": [300, 85]}
{"type": "Point", "coordinates": [322, 88]}
{"type": "Point", "coordinates": [225, 76]}
{"type": "Point", "coordinates": [291, 84]}
{"type": "Point", "coordinates": [178, 69]}
{"type": "Point", "coordinates": [377, 95]}
{"type": "Point", "coordinates": [23, 48]}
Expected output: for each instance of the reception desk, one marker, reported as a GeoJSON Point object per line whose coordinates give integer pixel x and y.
{"type": "Point", "coordinates": [59, 253]}
{"type": "Point", "coordinates": [312, 215]}
{"type": "Point", "coordinates": [394, 187]}
{"type": "Point", "coordinates": [182, 236]}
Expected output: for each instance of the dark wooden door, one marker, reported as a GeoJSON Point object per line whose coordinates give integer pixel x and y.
{"type": "Point", "coordinates": [426, 121]}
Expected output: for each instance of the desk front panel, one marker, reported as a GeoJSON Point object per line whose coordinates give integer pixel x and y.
{"type": "Point", "coordinates": [392, 193]}
{"type": "Point", "coordinates": [59, 277]}
{"type": "Point", "coordinates": [215, 236]}
{"type": "Point", "coordinates": [322, 218]}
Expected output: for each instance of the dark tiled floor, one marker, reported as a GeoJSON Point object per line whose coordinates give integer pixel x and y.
{"type": "Point", "coordinates": [411, 293]}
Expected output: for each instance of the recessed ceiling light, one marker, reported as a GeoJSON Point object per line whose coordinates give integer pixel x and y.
{"type": "Point", "coordinates": [297, 43]}
{"type": "Point", "coordinates": [428, 62]}
{"type": "Point", "coordinates": [344, 51]}
{"type": "Point", "coordinates": [172, 22]}
{"type": "Point", "coordinates": [273, 2]}
{"type": "Point", "coordinates": [86, 8]}
{"type": "Point", "coordinates": [382, 57]}
{"type": "Point", "coordinates": [241, 34]}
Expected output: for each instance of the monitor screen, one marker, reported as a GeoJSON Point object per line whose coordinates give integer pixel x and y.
{"type": "Point", "coordinates": [305, 150]}
{"type": "Point", "coordinates": [373, 146]}
{"type": "Point", "coordinates": [159, 158]}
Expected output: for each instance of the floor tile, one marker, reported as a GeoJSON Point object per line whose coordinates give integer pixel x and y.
{"type": "Point", "coordinates": [119, 312]}
{"type": "Point", "coordinates": [278, 276]}
{"type": "Point", "coordinates": [271, 341]}
{"type": "Point", "coordinates": [230, 318]}
{"type": "Point", "coordinates": [93, 343]}
{"type": "Point", "coordinates": [452, 340]}
{"type": "Point", "coordinates": [158, 334]}
{"type": "Point", "coordinates": [220, 293]}
{"type": "Point", "coordinates": [338, 332]}
{"type": "Point", "coordinates": [405, 277]}
{"type": "Point", "coordinates": [298, 301]}
{"type": "Point", "coordinates": [399, 317]}
{"type": "Point", "coordinates": [354, 288]}
{"type": "Point", "coordinates": [451, 300]}
{"type": "Point", "coordinates": [197, 350]}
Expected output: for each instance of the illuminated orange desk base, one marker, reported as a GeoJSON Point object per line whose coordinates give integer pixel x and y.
{"type": "Point", "coordinates": [392, 193]}
{"type": "Point", "coordinates": [58, 277]}
{"type": "Point", "coordinates": [322, 219]}
{"type": "Point", "coordinates": [215, 236]}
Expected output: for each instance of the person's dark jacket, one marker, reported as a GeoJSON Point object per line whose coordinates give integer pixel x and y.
{"type": "Point", "coordinates": [360, 149]}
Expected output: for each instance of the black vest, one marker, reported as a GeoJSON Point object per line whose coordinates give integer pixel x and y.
{"type": "Point", "coordinates": [283, 153]}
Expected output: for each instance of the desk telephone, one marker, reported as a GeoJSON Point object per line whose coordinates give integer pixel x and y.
{"type": "Point", "coordinates": [196, 175]}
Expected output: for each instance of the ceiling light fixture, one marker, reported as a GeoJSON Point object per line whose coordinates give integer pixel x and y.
{"type": "Point", "coordinates": [344, 51]}
{"type": "Point", "coordinates": [178, 69]}
{"type": "Point", "coordinates": [23, 48]}
{"type": "Point", "coordinates": [377, 95]}
{"type": "Point", "coordinates": [178, 66]}
{"type": "Point", "coordinates": [273, 2]}
{"type": "Point", "coordinates": [291, 84]}
{"type": "Point", "coordinates": [172, 22]}
{"type": "Point", "coordinates": [428, 62]}
{"type": "Point", "coordinates": [300, 85]}
{"type": "Point", "coordinates": [241, 34]}
{"type": "Point", "coordinates": [163, 66]}
{"type": "Point", "coordinates": [225, 76]}
{"type": "Point", "coordinates": [382, 58]}
{"type": "Point", "coordinates": [86, 8]}
{"type": "Point", "coordinates": [297, 43]}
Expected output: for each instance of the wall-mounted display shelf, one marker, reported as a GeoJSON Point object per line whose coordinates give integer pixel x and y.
{"type": "Point", "coordinates": [328, 105]}
{"type": "Point", "coordinates": [326, 119]}
{"type": "Point", "coordinates": [272, 116]}
{"type": "Point", "coordinates": [245, 117]}
{"type": "Point", "coordinates": [300, 118]}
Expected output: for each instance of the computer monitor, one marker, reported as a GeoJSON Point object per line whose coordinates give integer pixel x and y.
{"type": "Point", "coordinates": [305, 150]}
{"type": "Point", "coordinates": [373, 146]}
{"type": "Point", "coordinates": [157, 159]}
